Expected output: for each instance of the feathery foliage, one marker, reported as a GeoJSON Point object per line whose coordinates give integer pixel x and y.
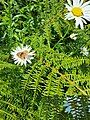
{"type": "Point", "coordinates": [59, 69]}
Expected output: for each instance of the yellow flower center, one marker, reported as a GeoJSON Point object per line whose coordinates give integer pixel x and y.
{"type": "Point", "coordinates": [23, 55]}
{"type": "Point", "coordinates": [77, 11]}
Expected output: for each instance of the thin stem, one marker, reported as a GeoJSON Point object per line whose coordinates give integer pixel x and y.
{"type": "Point", "coordinates": [72, 83]}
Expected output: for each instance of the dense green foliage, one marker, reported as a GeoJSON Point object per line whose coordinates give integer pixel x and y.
{"type": "Point", "coordinates": [38, 91]}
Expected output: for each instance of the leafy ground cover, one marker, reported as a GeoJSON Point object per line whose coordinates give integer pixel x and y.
{"type": "Point", "coordinates": [60, 67]}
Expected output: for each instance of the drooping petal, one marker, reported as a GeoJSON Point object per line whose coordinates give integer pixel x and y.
{"type": "Point", "coordinates": [16, 62]}
{"type": "Point", "coordinates": [77, 22]}
{"type": "Point", "coordinates": [84, 21]}
{"type": "Point", "coordinates": [29, 61]}
{"type": "Point", "coordinates": [25, 63]}
{"type": "Point", "coordinates": [31, 58]}
{"type": "Point", "coordinates": [81, 24]}
{"type": "Point", "coordinates": [21, 63]}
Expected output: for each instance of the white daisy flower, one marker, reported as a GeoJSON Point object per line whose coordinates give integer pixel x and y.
{"type": "Point", "coordinates": [22, 55]}
{"type": "Point", "coordinates": [73, 36]}
{"type": "Point", "coordinates": [79, 11]}
{"type": "Point", "coordinates": [84, 51]}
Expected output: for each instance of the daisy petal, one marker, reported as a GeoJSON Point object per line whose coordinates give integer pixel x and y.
{"type": "Point", "coordinates": [81, 2]}
{"type": "Point", "coordinates": [69, 2]}
{"type": "Point", "coordinates": [75, 2]}
{"type": "Point", "coordinates": [81, 24]}
{"type": "Point", "coordinates": [69, 16]}
{"type": "Point", "coordinates": [85, 4]}
{"type": "Point", "coordinates": [86, 17]}
{"type": "Point", "coordinates": [86, 8]}
{"type": "Point", "coordinates": [77, 23]}
{"type": "Point", "coordinates": [84, 21]}
{"type": "Point", "coordinates": [68, 7]}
